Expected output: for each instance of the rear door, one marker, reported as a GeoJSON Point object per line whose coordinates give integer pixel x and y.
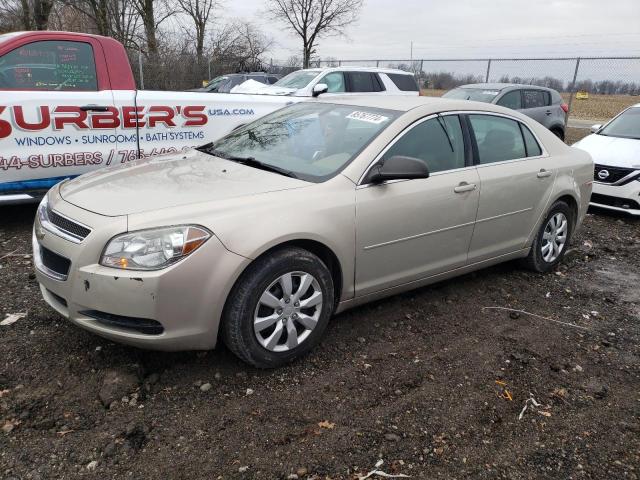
{"type": "Point", "coordinates": [56, 112]}
{"type": "Point", "coordinates": [516, 182]}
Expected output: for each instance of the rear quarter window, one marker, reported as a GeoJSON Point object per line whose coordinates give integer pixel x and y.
{"type": "Point", "coordinates": [49, 65]}
{"type": "Point", "coordinates": [406, 83]}
{"type": "Point", "coordinates": [530, 142]}
{"type": "Point", "coordinates": [536, 98]}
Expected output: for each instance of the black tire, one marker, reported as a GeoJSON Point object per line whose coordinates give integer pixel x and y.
{"type": "Point", "coordinates": [238, 316]}
{"type": "Point", "coordinates": [535, 260]}
{"type": "Point", "coordinates": [558, 132]}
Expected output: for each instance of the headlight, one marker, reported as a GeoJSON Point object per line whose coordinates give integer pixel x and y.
{"type": "Point", "coordinates": [153, 249]}
{"type": "Point", "coordinates": [43, 210]}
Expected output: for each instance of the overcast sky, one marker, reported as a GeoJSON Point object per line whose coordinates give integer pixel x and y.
{"type": "Point", "coordinates": [469, 29]}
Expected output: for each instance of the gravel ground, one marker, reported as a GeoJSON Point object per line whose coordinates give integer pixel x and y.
{"type": "Point", "coordinates": [429, 381]}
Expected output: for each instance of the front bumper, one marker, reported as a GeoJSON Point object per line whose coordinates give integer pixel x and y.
{"type": "Point", "coordinates": [621, 198]}
{"type": "Point", "coordinates": [182, 304]}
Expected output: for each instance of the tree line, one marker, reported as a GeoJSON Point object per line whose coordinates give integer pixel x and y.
{"type": "Point", "coordinates": [447, 81]}
{"type": "Point", "coordinates": [180, 43]}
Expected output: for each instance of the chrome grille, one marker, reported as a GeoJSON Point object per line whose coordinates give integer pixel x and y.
{"type": "Point", "coordinates": [607, 174]}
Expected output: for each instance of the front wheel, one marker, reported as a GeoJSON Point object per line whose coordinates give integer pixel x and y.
{"type": "Point", "coordinates": [552, 239]}
{"type": "Point", "coordinates": [279, 308]}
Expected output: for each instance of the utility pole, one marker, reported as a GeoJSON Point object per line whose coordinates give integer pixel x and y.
{"type": "Point", "coordinates": [412, 51]}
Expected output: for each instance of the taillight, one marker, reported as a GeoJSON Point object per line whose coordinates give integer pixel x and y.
{"type": "Point", "coordinates": [564, 107]}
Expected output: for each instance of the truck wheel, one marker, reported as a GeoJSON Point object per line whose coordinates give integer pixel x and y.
{"type": "Point", "coordinates": [552, 239]}
{"type": "Point", "coordinates": [279, 308]}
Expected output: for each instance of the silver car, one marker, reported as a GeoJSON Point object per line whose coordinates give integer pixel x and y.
{"type": "Point", "coordinates": [544, 105]}
{"type": "Point", "coordinates": [263, 235]}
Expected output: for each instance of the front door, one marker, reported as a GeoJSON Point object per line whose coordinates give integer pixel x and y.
{"type": "Point", "coordinates": [411, 229]}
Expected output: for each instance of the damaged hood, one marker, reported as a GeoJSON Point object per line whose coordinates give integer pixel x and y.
{"type": "Point", "coordinates": [169, 181]}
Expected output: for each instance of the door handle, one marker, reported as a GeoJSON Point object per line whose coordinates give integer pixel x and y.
{"type": "Point", "coordinates": [94, 108]}
{"type": "Point", "coordinates": [544, 173]}
{"type": "Point", "coordinates": [464, 187]}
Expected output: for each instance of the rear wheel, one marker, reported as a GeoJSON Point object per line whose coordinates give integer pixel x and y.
{"type": "Point", "coordinates": [279, 308]}
{"type": "Point", "coordinates": [552, 239]}
{"type": "Point", "coordinates": [558, 132]}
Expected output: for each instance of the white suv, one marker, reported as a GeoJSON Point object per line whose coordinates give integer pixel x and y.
{"type": "Point", "coordinates": [312, 82]}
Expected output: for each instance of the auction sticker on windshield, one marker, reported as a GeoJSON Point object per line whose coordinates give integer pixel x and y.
{"type": "Point", "coordinates": [368, 117]}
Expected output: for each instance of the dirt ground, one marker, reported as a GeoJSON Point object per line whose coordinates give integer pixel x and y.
{"type": "Point", "coordinates": [430, 381]}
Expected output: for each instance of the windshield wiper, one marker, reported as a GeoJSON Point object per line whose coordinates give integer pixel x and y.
{"type": "Point", "coordinates": [252, 162]}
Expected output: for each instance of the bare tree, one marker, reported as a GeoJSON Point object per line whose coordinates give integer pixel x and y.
{"type": "Point", "coordinates": [199, 12]}
{"type": "Point", "coordinates": [252, 45]}
{"type": "Point", "coordinates": [238, 46]}
{"type": "Point", "coordinates": [313, 19]}
{"type": "Point", "coordinates": [152, 14]}
{"type": "Point", "coordinates": [26, 14]}
{"type": "Point", "coordinates": [125, 23]}
{"type": "Point", "coordinates": [114, 18]}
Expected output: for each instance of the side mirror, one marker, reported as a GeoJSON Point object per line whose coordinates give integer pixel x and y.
{"type": "Point", "coordinates": [398, 168]}
{"type": "Point", "coordinates": [320, 88]}
{"type": "Point", "coordinates": [596, 127]}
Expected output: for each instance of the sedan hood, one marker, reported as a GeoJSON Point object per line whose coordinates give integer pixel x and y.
{"type": "Point", "coordinates": [169, 181]}
{"type": "Point", "coordinates": [612, 151]}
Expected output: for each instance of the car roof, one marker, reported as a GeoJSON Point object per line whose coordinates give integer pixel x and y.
{"type": "Point", "coordinates": [404, 103]}
{"type": "Point", "coordinates": [356, 68]}
{"type": "Point", "coordinates": [502, 86]}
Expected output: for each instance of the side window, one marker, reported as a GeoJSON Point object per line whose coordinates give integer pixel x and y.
{"type": "Point", "coordinates": [511, 99]}
{"type": "Point", "coordinates": [498, 138]}
{"type": "Point", "coordinates": [533, 148]}
{"type": "Point", "coordinates": [257, 78]}
{"type": "Point", "coordinates": [438, 142]}
{"type": "Point", "coordinates": [273, 80]}
{"type": "Point", "coordinates": [535, 98]}
{"type": "Point", "coordinates": [49, 65]}
{"type": "Point", "coordinates": [405, 83]}
{"type": "Point", "coordinates": [335, 82]}
{"type": "Point", "coordinates": [364, 82]}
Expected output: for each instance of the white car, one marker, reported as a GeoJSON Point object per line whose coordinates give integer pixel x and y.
{"type": "Point", "coordinates": [337, 80]}
{"type": "Point", "coordinates": [615, 148]}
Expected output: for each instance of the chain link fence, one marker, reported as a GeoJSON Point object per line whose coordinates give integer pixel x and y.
{"type": "Point", "coordinates": [595, 88]}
